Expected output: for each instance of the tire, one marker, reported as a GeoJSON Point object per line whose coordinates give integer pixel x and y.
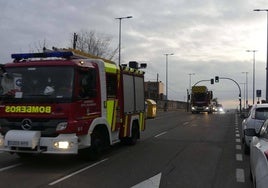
{"type": "Point", "coordinates": [135, 135]}
{"type": "Point", "coordinates": [94, 152]}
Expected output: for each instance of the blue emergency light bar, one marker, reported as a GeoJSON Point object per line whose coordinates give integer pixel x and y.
{"type": "Point", "coordinates": [66, 54]}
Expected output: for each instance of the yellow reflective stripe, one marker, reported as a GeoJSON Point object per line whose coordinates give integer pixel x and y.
{"type": "Point", "coordinates": [110, 109]}
{"type": "Point", "coordinates": [125, 125]}
{"type": "Point", "coordinates": [114, 115]}
{"type": "Point", "coordinates": [111, 113]}
{"type": "Point", "coordinates": [141, 119]}
{"type": "Point", "coordinates": [110, 68]}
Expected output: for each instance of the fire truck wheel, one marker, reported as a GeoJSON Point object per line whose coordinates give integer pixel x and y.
{"type": "Point", "coordinates": [95, 150]}
{"type": "Point", "coordinates": [135, 134]}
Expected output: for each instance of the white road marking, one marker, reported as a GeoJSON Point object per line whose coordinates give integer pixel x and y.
{"type": "Point", "coordinates": [152, 182]}
{"type": "Point", "coordinates": [239, 157]}
{"type": "Point", "coordinates": [77, 172]}
{"type": "Point", "coordinates": [160, 134]}
{"type": "Point", "coordinates": [240, 175]}
{"type": "Point", "coordinates": [186, 123]}
{"type": "Point", "coordinates": [237, 140]}
{"type": "Point", "coordinates": [237, 135]}
{"type": "Point", "coordinates": [238, 147]}
{"type": "Point", "coordinates": [9, 167]}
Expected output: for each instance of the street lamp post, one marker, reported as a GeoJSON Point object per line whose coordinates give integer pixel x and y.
{"type": "Point", "coordinates": [246, 88]}
{"type": "Point", "coordinates": [167, 73]}
{"type": "Point", "coordinates": [189, 91]}
{"type": "Point", "coordinates": [120, 19]}
{"type": "Point", "coordinates": [253, 94]}
{"type": "Point", "coordinates": [266, 52]}
{"type": "Point", "coordinates": [190, 80]}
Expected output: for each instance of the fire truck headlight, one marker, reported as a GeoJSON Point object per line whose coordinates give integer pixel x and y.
{"type": "Point", "coordinates": [61, 126]}
{"type": "Point", "coordinates": [63, 144]}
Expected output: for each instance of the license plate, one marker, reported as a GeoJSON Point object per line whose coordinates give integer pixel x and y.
{"type": "Point", "coordinates": [18, 143]}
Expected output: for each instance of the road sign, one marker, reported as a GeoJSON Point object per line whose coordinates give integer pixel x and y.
{"type": "Point", "coordinates": [258, 92]}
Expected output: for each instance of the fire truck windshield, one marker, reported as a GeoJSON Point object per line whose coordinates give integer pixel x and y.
{"type": "Point", "coordinates": [50, 82]}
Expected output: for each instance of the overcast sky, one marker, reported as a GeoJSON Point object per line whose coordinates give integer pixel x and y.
{"type": "Point", "coordinates": [208, 37]}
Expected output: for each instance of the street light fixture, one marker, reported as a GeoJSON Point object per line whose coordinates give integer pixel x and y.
{"type": "Point", "coordinates": [246, 88]}
{"type": "Point", "coordinates": [266, 52]}
{"type": "Point", "coordinates": [167, 73]}
{"type": "Point", "coordinates": [253, 94]}
{"type": "Point", "coordinates": [120, 19]}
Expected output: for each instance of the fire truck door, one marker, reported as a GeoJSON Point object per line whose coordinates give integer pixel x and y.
{"type": "Point", "coordinates": [111, 112]}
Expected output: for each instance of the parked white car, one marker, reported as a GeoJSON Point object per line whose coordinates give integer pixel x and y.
{"type": "Point", "coordinates": [259, 156]}
{"type": "Point", "coordinates": [254, 120]}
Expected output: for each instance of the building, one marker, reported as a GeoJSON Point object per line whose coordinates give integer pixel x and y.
{"type": "Point", "coordinates": [154, 90]}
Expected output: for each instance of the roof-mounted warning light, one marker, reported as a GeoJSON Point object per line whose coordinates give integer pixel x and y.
{"type": "Point", "coordinates": [136, 65]}
{"type": "Point", "coordinates": [18, 57]}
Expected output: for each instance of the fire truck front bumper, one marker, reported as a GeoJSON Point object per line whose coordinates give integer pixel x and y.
{"type": "Point", "coordinates": [21, 141]}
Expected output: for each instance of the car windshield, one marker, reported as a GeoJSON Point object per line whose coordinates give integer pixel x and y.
{"type": "Point", "coordinates": [261, 113]}
{"type": "Point", "coordinates": [22, 83]}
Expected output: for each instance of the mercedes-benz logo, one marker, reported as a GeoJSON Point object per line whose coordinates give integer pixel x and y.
{"type": "Point", "coordinates": [26, 124]}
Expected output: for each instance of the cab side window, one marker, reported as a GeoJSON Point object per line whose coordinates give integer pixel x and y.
{"type": "Point", "coordinates": [111, 80]}
{"type": "Point", "coordinates": [87, 84]}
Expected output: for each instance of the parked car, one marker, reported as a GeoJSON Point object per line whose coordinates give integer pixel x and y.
{"type": "Point", "coordinates": [254, 120]}
{"type": "Point", "coordinates": [259, 156]}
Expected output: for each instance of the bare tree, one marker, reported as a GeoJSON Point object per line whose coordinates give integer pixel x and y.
{"type": "Point", "coordinates": [95, 44]}
{"type": "Point", "coordinates": [38, 46]}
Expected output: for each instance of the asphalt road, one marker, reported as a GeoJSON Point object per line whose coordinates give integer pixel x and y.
{"type": "Point", "coordinates": [178, 149]}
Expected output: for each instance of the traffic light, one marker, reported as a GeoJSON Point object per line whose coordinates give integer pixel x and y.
{"type": "Point", "coordinates": [216, 79]}
{"type": "Point", "coordinates": [212, 81]}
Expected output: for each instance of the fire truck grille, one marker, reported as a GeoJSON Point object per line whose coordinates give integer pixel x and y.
{"type": "Point", "coordinates": [46, 126]}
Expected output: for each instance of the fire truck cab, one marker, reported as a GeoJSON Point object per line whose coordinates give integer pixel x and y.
{"type": "Point", "coordinates": [60, 103]}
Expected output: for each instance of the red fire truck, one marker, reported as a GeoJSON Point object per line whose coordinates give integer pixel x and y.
{"type": "Point", "coordinates": [62, 102]}
{"type": "Point", "coordinates": [201, 99]}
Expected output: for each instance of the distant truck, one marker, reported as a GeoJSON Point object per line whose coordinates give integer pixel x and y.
{"type": "Point", "coordinates": [201, 99]}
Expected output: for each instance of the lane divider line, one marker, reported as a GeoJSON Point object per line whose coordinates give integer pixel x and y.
{"type": "Point", "coordinates": [238, 147]}
{"type": "Point", "coordinates": [160, 134]}
{"type": "Point", "coordinates": [9, 167]}
{"type": "Point", "coordinates": [240, 175]}
{"type": "Point", "coordinates": [186, 123]}
{"type": "Point", "coordinates": [77, 172]}
{"type": "Point", "coordinates": [240, 172]}
{"type": "Point", "coordinates": [239, 157]}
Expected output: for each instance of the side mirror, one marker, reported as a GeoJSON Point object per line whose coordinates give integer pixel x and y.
{"type": "Point", "coordinates": [264, 128]}
{"type": "Point", "coordinates": [250, 132]}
